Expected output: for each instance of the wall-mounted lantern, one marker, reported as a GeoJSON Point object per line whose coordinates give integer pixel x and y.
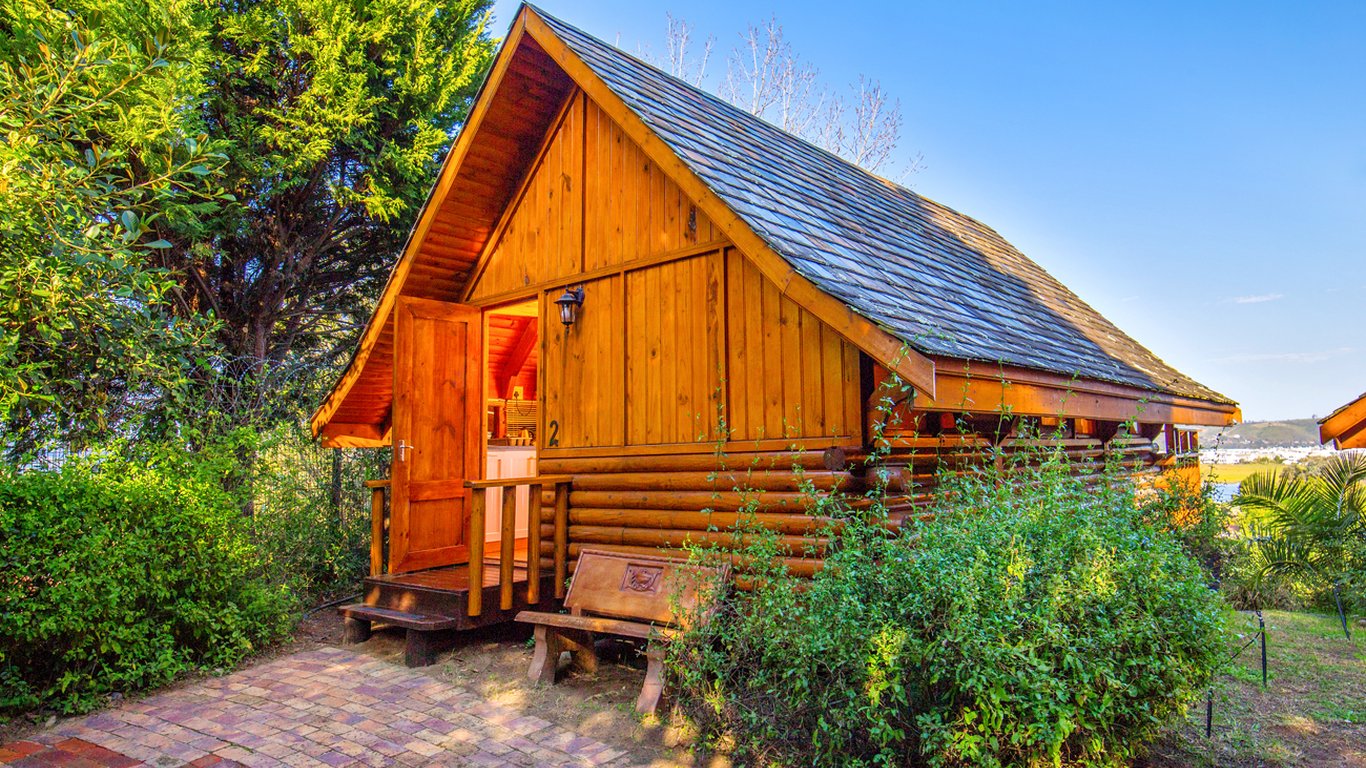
{"type": "Point", "coordinates": [569, 305]}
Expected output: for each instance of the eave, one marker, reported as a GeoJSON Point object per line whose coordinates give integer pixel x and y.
{"type": "Point", "coordinates": [974, 387]}
{"type": "Point", "coordinates": [1345, 427]}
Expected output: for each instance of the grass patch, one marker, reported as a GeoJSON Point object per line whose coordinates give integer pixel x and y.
{"type": "Point", "coordinates": [1235, 473]}
{"type": "Point", "coordinates": [1313, 713]}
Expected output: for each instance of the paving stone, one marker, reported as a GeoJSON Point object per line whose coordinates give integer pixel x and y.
{"type": "Point", "coordinates": [327, 707]}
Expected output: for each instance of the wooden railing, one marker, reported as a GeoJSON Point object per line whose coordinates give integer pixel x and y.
{"type": "Point", "coordinates": [508, 539]}
{"type": "Point", "coordinates": [377, 489]}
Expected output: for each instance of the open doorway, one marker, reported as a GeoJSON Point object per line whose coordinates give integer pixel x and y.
{"type": "Point", "coordinates": [512, 409]}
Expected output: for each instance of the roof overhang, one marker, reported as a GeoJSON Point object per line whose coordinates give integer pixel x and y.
{"type": "Point", "coordinates": [480, 175]}
{"type": "Point", "coordinates": [1345, 427]}
{"type": "Point", "coordinates": [964, 386]}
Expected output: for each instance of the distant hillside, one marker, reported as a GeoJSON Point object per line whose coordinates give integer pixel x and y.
{"type": "Point", "coordinates": [1263, 434]}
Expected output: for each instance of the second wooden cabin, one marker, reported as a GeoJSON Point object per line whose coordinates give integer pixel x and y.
{"type": "Point", "coordinates": [626, 300]}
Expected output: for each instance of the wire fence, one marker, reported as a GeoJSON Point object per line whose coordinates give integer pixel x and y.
{"type": "Point", "coordinates": [1260, 635]}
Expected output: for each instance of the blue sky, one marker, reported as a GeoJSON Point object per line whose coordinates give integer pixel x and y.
{"type": "Point", "coordinates": [1195, 171]}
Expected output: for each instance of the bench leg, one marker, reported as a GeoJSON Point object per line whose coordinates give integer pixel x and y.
{"type": "Point", "coordinates": [580, 644]}
{"type": "Point", "coordinates": [654, 680]}
{"type": "Point", "coordinates": [550, 643]}
{"type": "Point", "coordinates": [547, 656]}
{"type": "Point", "coordinates": [357, 631]}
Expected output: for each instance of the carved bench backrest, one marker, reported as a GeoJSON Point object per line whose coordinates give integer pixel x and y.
{"type": "Point", "coordinates": [641, 587]}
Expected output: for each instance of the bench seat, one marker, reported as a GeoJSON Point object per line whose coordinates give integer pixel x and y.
{"type": "Point", "coordinates": [643, 597]}
{"type": "Point", "coordinates": [635, 629]}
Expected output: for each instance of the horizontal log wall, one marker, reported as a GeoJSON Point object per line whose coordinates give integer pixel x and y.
{"type": "Point", "coordinates": [649, 504]}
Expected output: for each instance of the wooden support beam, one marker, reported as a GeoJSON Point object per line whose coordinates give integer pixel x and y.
{"type": "Point", "coordinates": [475, 543]}
{"type": "Point", "coordinates": [561, 538]}
{"type": "Point", "coordinates": [533, 545]}
{"type": "Point", "coordinates": [377, 527]}
{"type": "Point", "coordinates": [505, 548]}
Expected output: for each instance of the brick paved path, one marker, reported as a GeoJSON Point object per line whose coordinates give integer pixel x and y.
{"type": "Point", "coordinates": [326, 707]}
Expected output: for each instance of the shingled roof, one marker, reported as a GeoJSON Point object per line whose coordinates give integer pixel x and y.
{"type": "Point", "coordinates": [940, 281]}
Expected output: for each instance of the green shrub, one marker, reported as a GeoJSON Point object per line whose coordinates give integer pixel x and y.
{"type": "Point", "coordinates": [315, 542]}
{"type": "Point", "coordinates": [118, 577]}
{"type": "Point", "coordinates": [1201, 525]}
{"type": "Point", "coordinates": [1038, 620]}
{"type": "Point", "coordinates": [1248, 588]}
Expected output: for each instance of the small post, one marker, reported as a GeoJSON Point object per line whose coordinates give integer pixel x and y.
{"type": "Point", "coordinates": [1337, 595]}
{"type": "Point", "coordinates": [533, 545]}
{"type": "Point", "coordinates": [475, 541]}
{"type": "Point", "coordinates": [1261, 630]}
{"type": "Point", "coordinates": [561, 537]}
{"type": "Point", "coordinates": [505, 547]}
{"type": "Point", "coordinates": [1209, 714]}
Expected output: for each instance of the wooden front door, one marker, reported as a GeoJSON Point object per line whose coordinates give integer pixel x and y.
{"type": "Point", "coordinates": [438, 411]}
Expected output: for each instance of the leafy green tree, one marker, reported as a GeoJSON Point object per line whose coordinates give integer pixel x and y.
{"type": "Point", "coordinates": [98, 150]}
{"type": "Point", "coordinates": [333, 117]}
{"type": "Point", "coordinates": [208, 193]}
{"type": "Point", "coordinates": [1311, 526]}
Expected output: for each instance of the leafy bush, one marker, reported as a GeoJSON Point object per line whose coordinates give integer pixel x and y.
{"type": "Point", "coordinates": [311, 517]}
{"type": "Point", "coordinates": [1188, 512]}
{"type": "Point", "coordinates": [1038, 620]}
{"type": "Point", "coordinates": [118, 577]}
{"type": "Point", "coordinates": [1247, 587]}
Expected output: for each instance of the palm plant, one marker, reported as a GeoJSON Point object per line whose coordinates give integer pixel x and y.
{"type": "Point", "coordinates": [1311, 527]}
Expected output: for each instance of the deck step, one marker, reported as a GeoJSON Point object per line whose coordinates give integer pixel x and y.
{"type": "Point", "coordinates": [419, 621]}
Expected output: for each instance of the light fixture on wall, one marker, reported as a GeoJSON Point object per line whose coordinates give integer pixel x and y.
{"type": "Point", "coordinates": [569, 305]}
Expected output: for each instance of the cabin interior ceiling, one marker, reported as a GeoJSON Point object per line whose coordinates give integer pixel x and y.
{"type": "Point", "coordinates": [513, 351]}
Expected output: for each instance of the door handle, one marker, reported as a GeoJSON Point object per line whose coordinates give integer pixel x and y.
{"type": "Point", "coordinates": [402, 449]}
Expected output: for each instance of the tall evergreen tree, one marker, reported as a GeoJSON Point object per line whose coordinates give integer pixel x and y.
{"type": "Point", "coordinates": [99, 146]}
{"type": "Point", "coordinates": [208, 191]}
{"type": "Point", "coordinates": [333, 117]}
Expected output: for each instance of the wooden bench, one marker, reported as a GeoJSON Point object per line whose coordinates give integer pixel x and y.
{"type": "Point", "coordinates": [638, 596]}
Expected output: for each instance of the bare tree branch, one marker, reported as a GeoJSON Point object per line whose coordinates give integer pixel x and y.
{"type": "Point", "coordinates": [766, 77]}
{"type": "Point", "coordinates": [681, 63]}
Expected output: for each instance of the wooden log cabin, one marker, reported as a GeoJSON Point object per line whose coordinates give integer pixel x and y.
{"type": "Point", "coordinates": [628, 308]}
{"type": "Point", "coordinates": [1345, 428]}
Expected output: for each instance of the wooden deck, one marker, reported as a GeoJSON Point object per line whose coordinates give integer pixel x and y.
{"type": "Point", "coordinates": [449, 579]}
{"type": "Point", "coordinates": [432, 605]}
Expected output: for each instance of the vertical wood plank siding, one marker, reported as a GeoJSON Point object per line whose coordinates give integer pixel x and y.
{"type": "Point", "coordinates": [673, 322]}
{"type": "Point", "coordinates": [789, 374]}
{"type": "Point", "coordinates": [648, 362]}
{"type": "Point", "coordinates": [583, 370]}
{"type": "Point", "coordinates": [593, 201]}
